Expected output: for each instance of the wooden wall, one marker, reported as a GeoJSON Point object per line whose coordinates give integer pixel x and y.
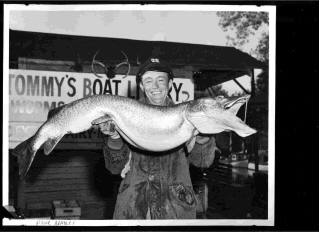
{"type": "Point", "coordinates": [66, 175]}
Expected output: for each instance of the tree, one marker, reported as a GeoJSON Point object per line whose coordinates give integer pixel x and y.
{"type": "Point", "coordinates": [241, 26]}
{"type": "Point", "coordinates": [244, 25]}
{"type": "Point", "coordinates": [218, 90]}
{"type": "Point", "coordinates": [238, 93]}
{"type": "Point", "coordinates": [262, 53]}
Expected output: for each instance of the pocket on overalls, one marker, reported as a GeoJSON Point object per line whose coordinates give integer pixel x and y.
{"type": "Point", "coordinates": [184, 194]}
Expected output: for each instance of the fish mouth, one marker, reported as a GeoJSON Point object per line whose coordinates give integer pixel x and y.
{"type": "Point", "coordinates": [230, 102]}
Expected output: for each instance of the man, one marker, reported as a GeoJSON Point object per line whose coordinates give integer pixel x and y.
{"type": "Point", "coordinates": [156, 185]}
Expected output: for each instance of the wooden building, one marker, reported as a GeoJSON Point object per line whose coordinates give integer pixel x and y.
{"type": "Point", "coordinates": [80, 174]}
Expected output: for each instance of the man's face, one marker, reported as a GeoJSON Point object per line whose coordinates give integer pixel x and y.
{"type": "Point", "coordinates": [156, 86]}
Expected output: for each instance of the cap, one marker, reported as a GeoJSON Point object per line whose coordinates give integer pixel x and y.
{"type": "Point", "coordinates": [153, 64]}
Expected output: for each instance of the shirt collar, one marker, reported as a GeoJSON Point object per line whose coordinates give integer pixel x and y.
{"type": "Point", "coordinates": [169, 101]}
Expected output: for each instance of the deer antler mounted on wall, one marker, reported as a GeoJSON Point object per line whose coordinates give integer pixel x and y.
{"type": "Point", "coordinates": [111, 70]}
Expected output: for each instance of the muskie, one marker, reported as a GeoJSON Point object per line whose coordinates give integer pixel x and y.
{"type": "Point", "coordinates": [148, 127]}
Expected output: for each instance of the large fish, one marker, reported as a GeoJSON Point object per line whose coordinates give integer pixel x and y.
{"type": "Point", "coordinates": [148, 127]}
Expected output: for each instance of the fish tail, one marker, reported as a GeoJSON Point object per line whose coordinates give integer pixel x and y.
{"type": "Point", "coordinates": [25, 156]}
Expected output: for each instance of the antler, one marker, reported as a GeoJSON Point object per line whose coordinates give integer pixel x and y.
{"type": "Point", "coordinates": [137, 61]}
{"type": "Point", "coordinates": [125, 62]}
{"type": "Point", "coordinates": [99, 63]}
{"type": "Point", "coordinates": [94, 62]}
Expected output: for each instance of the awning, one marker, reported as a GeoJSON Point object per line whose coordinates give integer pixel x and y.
{"type": "Point", "coordinates": [66, 47]}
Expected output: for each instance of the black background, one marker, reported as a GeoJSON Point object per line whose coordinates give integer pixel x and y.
{"type": "Point", "coordinates": [297, 121]}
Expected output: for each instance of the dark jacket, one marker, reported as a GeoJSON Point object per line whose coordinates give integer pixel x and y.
{"type": "Point", "coordinates": [158, 182]}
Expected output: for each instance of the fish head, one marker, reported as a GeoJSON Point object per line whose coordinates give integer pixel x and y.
{"type": "Point", "coordinates": [214, 115]}
{"type": "Point", "coordinates": [232, 104]}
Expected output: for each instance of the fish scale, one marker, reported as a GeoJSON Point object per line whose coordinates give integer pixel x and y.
{"type": "Point", "coordinates": [147, 127]}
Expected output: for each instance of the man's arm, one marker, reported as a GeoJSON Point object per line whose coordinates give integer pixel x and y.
{"type": "Point", "coordinates": [203, 152]}
{"type": "Point", "coordinates": [116, 152]}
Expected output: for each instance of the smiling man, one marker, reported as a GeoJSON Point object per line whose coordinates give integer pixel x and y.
{"type": "Point", "coordinates": [156, 185]}
{"type": "Point", "coordinates": [154, 85]}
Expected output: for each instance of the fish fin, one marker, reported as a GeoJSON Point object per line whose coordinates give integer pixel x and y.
{"type": "Point", "coordinates": [242, 129]}
{"type": "Point", "coordinates": [54, 111]}
{"type": "Point", "coordinates": [25, 157]}
{"type": "Point", "coordinates": [213, 125]}
{"type": "Point", "coordinates": [102, 119]}
{"type": "Point", "coordinates": [204, 124]}
{"type": "Point", "coordinates": [50, 144]}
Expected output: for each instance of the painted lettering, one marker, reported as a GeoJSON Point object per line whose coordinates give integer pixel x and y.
{"type": "Point", "coordinates": [90, 133]}
{"type": "Point", "coordinates": [94, 86]}
{"type": "Point", "coordinates": [47, 85]}
{"type": "Point", "coordinates": [107, 87]}
{"type": "Point", "coordinates": [87, 86]}
{"type": "Point", "coordinates": [23, 131]}
{"type": "Point", "coordinates": [59, 84]}
{"type": "Point", "coordinates": [117, 86]}
{"type": "Point", "coordinates": [29, 107]}
{"type": "Point", "coordinates": [11, 76]}
{"type": "Point", "coordinates": [18, 90]}
{"type": "Point", "coordinates": [38, 107]}
{"type": "Point", "coordinates": [68, 135]}
{"type": "Point", "coordinates": [46, 106]}
{"type": "Point", "coordinates": [72, 87]}
{"type": "Point", "coordinates": [32, 107]}
{"type": "Point", "coordinates": [185, 93]}
{"type": "Point", "coordinates": [82, 134]}
{"type": "Point", "coordinates": [17, 106]}
{"type": "Point", "coordinates": [33, 85]}
{"type": "Point", "coordinates": [177, 89]}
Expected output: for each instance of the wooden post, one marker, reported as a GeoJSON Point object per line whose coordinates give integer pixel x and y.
{"type": "Point", "coordinates": [253, 87]}
{"type": "Point", "coordinates": [255, 150]}
{"type": "Point", "coordinates": [231, 141]}
{"type": "Point", "coordinates": [255, 136]}
{"type": "Point", "coordinates": [241, 86]}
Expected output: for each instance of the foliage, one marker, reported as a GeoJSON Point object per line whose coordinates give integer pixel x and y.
{"type": "Point", "coordinates": [262, 53]}
{"type": "Point", "coordinates": [262, 50]}
{"type": "Point", "coordinates": [240, 27]}
{"type": "Point", "coordinates": [218, 90]}
{"type": "Point", "coordinates": [238, 93]}
{"type": "Point", "coordinates": [262, 83]}
{"type": "Point", "coordinates": [245, 24]}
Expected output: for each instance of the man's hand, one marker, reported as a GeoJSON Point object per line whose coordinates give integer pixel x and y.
{"type": "Point", "coordinates": [109, 128]}
{"type": "Point", "coordinates": [201, 139]}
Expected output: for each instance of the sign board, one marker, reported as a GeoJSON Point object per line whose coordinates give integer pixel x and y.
{"type": "Point", "coordinates": [33, 93]}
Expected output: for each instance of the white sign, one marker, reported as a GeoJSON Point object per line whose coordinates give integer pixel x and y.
{"type": "Point", "coordinates": [33, 93]}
